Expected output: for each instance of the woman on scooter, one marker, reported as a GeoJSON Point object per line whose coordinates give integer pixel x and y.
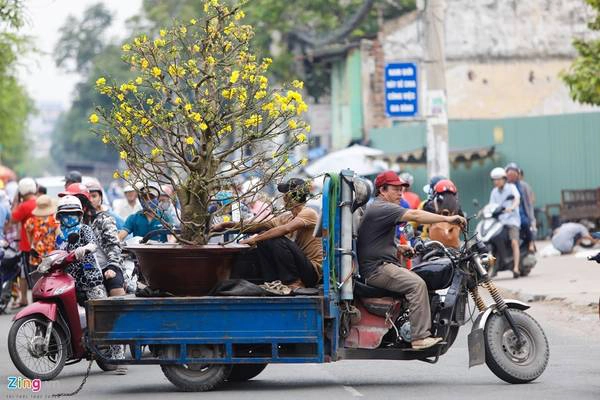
{"type": "Point", "coordinates": [77, 237]}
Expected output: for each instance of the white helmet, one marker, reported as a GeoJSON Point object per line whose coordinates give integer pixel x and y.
{"type": "Point", "coordinates": [27, 186]}
{"type": "Point", "coordinates": [68, 204]}
{"type": "Point", "coordinates": [498, 173]}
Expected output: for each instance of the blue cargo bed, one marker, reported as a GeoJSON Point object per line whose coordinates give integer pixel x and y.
{"type": "Point", "coordinates": [239, 329]}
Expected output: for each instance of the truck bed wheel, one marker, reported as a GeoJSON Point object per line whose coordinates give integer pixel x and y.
{"type": "Point", "coordinates": [245, 372]}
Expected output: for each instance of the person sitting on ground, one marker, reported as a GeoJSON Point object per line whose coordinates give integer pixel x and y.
{"type": "Point", "coordinates": [569, 235]}
{"type": "Point", "coordinates": [286, 248]}
{"type": "Point", "coordinates": [377, 251]}
{"type": "Point", "coordinates": [149, 218]}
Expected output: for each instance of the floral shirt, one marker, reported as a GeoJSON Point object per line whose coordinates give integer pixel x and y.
{"type": "Point", "coordinates": [42, 231]}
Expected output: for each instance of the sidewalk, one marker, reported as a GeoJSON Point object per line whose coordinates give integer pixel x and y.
{"type": "Point", "coordinates": [570, 278]}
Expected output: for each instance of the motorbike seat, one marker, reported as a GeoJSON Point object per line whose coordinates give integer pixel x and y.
{"type": "Point", "coordinates": [362, 290]}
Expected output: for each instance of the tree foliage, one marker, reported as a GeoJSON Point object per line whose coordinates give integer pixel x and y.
{"type": "Point", "coordinates": [583, 77]}
{"type": "Point", "coordinates": [15, 104]}
{"type": "Point", "coordinates": [199, 113]}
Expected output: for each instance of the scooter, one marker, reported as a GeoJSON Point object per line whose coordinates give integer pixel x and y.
{"type": "Point", "coordinates": [495, 236]}
{"type": "Point", "coordinates": [10, 258]}
{"type": "Point", "coordinates": [48, 334]}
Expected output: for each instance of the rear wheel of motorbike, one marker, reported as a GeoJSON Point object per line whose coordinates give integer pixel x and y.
{"type": "Point", "coordinates": [245, 372]}
{"type": "Point", "coordinates": [105, 366]}
{"type": "Point", "coordinates": [505, 358]}
{"type": "Point", "coordinates": [25, 346]}
{"type": "Point", "coordinates": [193, 377]}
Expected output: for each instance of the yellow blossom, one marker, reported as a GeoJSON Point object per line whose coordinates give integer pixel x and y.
{"type": "Point", "coordinates": [105, 139]}
{"type": "Point", "coordinates": [163, 32]}
{"type": "Point", "coordinates": [189, 140]}
{"type": "Point", "coordinates": [226, 218]}
{"type": "Point", "coordinates": [120, 97]}
{"type": "Point", "coordinates": [177, 101]}
{"type": "Point", "coordinates": [210, 60]}
{"type": "Point", "coordinates": [196, 116]}
{"type": "Point", "coordinates": [156, 71]}
{"type": "Point", "coordinates": [203, 126]}
{"type": "Point", "coordinates": [116, 175]}
{"type": "Point", "coordinates": [239, 15]}
{"type": "Point", "coordinates": [156, 152]}
{"type": "Point", "coordinates": [126, 47]}
{"type": "Point", "coordinates": [260, 94]}
{"type": "Point", "coordinates": [195, 48]}
{"type": "Point", "coordinates": [301, 137]}
{"type": "Point", "coordinates": [159, 42]}
{"type": "Point", "coordinates": [126, 174]}
{"type": "Point", "coordinates": [298, 84]}
{"type": "Point", "coordinates": [183, 30]}
{"type": "Point", "coordinates": [193, 21]}
{"type": "Point", "coordinates": [123, 155]}
{"type": "Point", "coordinates": [187, 107]}
{"type": "Point", "coordinates": [94, 119]}
{"type": "Point", "coordinates": [144, 63]}
{"type": "Point", "coordinates": [304, 161]}
{"type": "Point", "coordinates": [292, 124]}
{"type": "Point", "coordinates": [138, 80]}
{"type": "Point", "coordinates": [150, 101]}
{"type": "Point", "coordinates": [264, 81]}
{"type": "Point", "coordinates": [234, 76]}
{"type": "Point", "coordinates": [307, 129]}
{"type": "Point", "coordinates": [254, 120]}
{"type": "Point", "coordinates": [100, 82]}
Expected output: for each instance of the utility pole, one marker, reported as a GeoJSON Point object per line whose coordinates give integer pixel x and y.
{"type": "Point", "coordinates": [435, 94]}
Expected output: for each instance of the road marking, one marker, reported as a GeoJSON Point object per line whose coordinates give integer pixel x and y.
{"type": "Point", "coordinates": [352, 391]}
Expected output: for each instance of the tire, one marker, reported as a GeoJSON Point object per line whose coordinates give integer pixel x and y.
{"type": "Point", "coordinates": [103, 365]}
{"type": "Point", "coordinates": [19, 343]}
{"type": "Point", "coordinates": [245, 372]}
{"type": "Point", "coordinates": [193, 377]}
{"type": "Point", "coordinates": [504, 359]}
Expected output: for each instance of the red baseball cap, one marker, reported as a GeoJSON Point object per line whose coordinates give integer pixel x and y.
{"type": "Point", "coordinates": [389, 178]}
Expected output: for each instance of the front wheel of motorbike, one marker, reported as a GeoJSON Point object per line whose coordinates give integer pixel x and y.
{"type": "Point", "coordinates": [193, 377]}
{"type": "Point", "coordinates": [505, 358]}
{"type": "Point", "coordinates": [26, 348]}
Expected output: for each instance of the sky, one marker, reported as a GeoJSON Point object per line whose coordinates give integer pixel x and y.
{"type": "Point", "coordinates": [44, 82]}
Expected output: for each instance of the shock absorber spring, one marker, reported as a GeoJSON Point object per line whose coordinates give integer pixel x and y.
{"type": "Point", "coordinates": [477, 299]}
{"type": "Point", "coordinates": [493, 290]}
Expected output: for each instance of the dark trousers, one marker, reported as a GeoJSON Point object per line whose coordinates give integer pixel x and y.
{"type": "Point", "coordinates": [278, 259]}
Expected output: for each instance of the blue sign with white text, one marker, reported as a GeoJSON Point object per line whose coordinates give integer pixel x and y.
{"type": "Point", "coordinates": [401, 90]}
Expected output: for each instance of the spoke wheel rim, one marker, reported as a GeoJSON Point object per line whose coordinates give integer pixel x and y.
{"type": "Point", "coordinates": [29, 346]}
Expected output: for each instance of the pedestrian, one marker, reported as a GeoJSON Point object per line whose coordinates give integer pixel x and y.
{"type": "Point", "coordinates": [526, 212]}
{"type": "Point", "coordinates": [41, 229]}
{"type": "Point", "coordinates": [129, 205]}
{"type": "Point", "coordinates": [410, 197]}
{"type": "Point", "coordinates": [23, 206]}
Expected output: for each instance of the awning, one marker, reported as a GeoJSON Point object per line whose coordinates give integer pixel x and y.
{"type": "Point", "coordinates": [457, 156]}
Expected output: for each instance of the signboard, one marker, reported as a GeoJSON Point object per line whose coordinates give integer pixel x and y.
{"type": "Point", "coordinates": [401, 90]}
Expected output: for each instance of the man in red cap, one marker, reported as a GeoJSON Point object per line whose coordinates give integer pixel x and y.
{"type": "Point", "coordinates": [377, 251]}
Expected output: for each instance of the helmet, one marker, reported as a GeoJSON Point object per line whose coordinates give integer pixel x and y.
{"type": "Point", "coordinates": [512, 166]}
{"type": "Point", "coordinates": [93, 187]}
{"type": "Point", "coordinates": [363, 188]}
{"type": "Point", "coordinates": [445, 185]}
{"type": "Point", "coordinates": [148, 188]}
{"type": "Point", "coordinates": [73, 176]}
{"type": "Point", "coordinates": [75, 189]}
{"type": "Point", "coordinates": [68, 203]}
{"type": "Point", "coordinates": [498, 173]}
{"type": "Point", "coordinates": [428, 189]}
{"type": "Point", "coordinates": [27, 186]}
{"type": "Point", "coordinates": [408, 178]}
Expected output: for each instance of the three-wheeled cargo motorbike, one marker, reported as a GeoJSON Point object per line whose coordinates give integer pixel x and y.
{"type": "Point", "coordinates": [203, 342]}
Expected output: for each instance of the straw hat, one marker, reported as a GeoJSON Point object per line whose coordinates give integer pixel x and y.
{"type": "Point", "coordinates": [44, 206]}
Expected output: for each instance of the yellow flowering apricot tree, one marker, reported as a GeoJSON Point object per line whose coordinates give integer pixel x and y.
{"type": "Point", "coordinates": [200, 114]}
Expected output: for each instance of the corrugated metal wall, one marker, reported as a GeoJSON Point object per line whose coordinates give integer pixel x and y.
{"type": "Point", "coordinates": [556, 152]}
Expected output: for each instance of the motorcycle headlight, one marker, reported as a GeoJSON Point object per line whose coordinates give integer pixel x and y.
{"type": "Point", "coordinates": [488, 259]}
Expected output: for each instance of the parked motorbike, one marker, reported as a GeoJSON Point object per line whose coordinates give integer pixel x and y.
{"type": "Point", "coordinates": [10, 267]}
{"type": "Point", "coordinates": [495, 236]}
{"type": "Point", "coordinates": [504, 336]}
{"type": "Point", "coordinates": [47, 335]}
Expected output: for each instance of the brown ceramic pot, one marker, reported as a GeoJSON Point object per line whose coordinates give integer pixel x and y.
{"type": "Point", "coordinates": [185, 270]}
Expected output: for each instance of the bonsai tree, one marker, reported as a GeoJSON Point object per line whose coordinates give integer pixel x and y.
{"type": "Point", "coordinates": [201, 114]}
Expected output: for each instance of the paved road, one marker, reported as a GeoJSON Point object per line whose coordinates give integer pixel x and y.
{"type": "Point", "coordinates": [573, 373]}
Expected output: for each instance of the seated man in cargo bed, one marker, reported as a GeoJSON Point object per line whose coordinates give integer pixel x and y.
{"type": "Point", "coordinates": [286, 249]}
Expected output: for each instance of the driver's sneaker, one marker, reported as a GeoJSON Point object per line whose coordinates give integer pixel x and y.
{"type": "Point", "coordinates": [425, 343]}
